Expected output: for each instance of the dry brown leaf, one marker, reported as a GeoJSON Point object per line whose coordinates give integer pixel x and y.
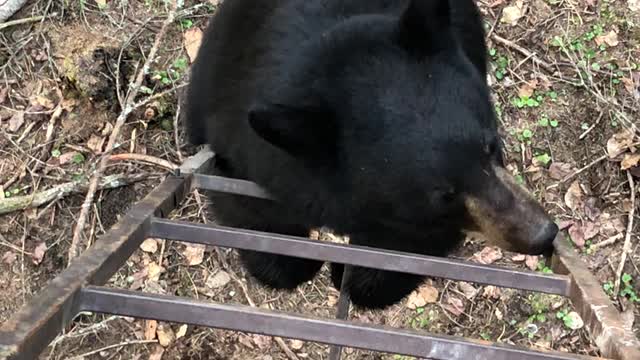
{"type": "Point", "coordinates": [214, 2]}
{"type": "Point", "coordinates": [491, 292]}
{"type": "Point", "coordinates": [591, 209]}
{"type": "Point", "coordinates": [150, 327]}
{"type": "Point", "coordinates": [577, 236]}
{"type": "Point", "coordinates": [532, 262]}
{"type": "Point", "coordinates": [153, 271]}
{"type": "Point", "coordinates": [156, 353]}
{"type": "Point", "coordinates": [182, 331]}
{"type": "Point", "coordinates": [149, 245]}
{"type": "Point", "coordinates": [512, 13]}
{"type": "Point", "coordinates": [498, 314]}
{"type": "Point", "coordinates": [629, 85]}
{"type": "Point", "coordinates": [262, 342]}
{"type": "Point", "coordinates": [610, 38]}
{"type": "Point", "coordinates": [519, 258]}
{"type": "Point", "coordinates": [192, 41]}
{"type": "Point", "coordinates": [610, 226]}
{"type": "Point", "coordinates": [165, 335]}
{"type": "Point", "coordinates": [425, 294]}
{"type": "Point", "coordinates": [218, 280]}
{"type": "Point", "coordinates": [96, 143]}
{"type": "Point", "coordinates": [626, 205]}
{"type": "Point", "coordinates": [296, 344]}
{"type": "Point", "coordinates": [619, 143]}
{"type": "Point", "coordinates": [9, 257]}
{"type": "Point", "coordinates": [332, 300]}
{"type": "Point", "coordinates": [559, 170]}
{"type": "Point", "coordinates": [488, 255]}
{"type": "Point", "coordinates": [16, 121]}
{"type": "Point", "coordinates": [38, 253]}
{"type": "Point", "coordinates": [590, 230]}
{"type": "Point", "coordinates": [574, 196]}
{"type": "Point", "coordinates": [468, 290]}
{"type": "Point", "coordinates": [528, 88]}
{"type": "Point", "coordinates": [67, 157]}
{"type": "Point", "coordinates": [194, 253]}
{"type": "Point", "coordinates": [629, 161]}
{"type": "Point", "coordinates": [454, 305]}
{"type": "Point", "coordinates": [414, 301]}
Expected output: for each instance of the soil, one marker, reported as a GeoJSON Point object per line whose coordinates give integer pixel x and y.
{"type": "Point", "coordinates": [560, 68]}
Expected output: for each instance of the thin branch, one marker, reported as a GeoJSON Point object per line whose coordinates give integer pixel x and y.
{"type": "Point", "coordinates": [145, 159]}
{"type": "Point", "coordinates": [525, 52]}
{"type": "Point", "coordinates": [626, 249]}
{"type": "Point", "coordinates": [40, 198]}
{"type": "Point", "coordinates": [127, 109]}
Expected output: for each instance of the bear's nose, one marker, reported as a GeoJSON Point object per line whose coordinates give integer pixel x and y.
{"type": "Point", "coordinates": [542, 242]}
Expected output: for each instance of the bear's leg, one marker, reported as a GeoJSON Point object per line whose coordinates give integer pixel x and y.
{"type": "Point", "coordinates": [276, 271]}
{"type": "Point", "coordinates": [372, 288]}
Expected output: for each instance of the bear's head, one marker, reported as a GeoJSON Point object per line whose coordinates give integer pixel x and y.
{"type": "Point", "coordinates": [397, 121]}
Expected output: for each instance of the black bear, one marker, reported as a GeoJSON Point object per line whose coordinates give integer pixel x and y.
{"type": "Point", "coordinates": [370, 117]}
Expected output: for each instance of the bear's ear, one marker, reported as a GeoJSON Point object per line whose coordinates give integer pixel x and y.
{"type": "Point", "coordinates": [425, 26]}
{"type": "Point", "coordinates": [298, 131]}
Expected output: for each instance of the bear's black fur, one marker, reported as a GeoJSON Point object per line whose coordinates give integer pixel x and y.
{"type": "Point", "coordinates": [370, 117]}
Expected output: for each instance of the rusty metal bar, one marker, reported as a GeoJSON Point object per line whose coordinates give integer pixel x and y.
{"type": "Point", "coordinates": [613, 336]}
{"type": "Point", "coordinates": [272, 323]}
{"type": "Point", "coordinates": [230, 186]}
{"type": "Point", "coordinates": [358, 255]}
{"type": "Point", "coordinates": [343, 309]}
{"type": "Point", "coordinates": [28, 332]}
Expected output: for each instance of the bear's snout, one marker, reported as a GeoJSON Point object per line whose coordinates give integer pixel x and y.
{"type": "Point", "coordinates": [510, 217]}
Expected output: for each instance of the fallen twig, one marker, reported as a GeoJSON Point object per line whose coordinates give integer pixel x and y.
{"type": "Point", "coordinates": [122, 344]}
{"type": "Point", "coordinates": [583, 169]}
{"type": "Point", "coordinates": [606, 242]}
{"type": "Point", "coordinates": [126, 110]}
{"type": "Point", "coordinates": [175, 132]}
{"type": "Point", "coordinates": [16, 203]}
{"type": "Point", "coordinates": [145, 159]}
{"type": "Point", "coordinates": [46, 150]}
{"type": "Point", "coordinates": [626, 248]}
{"type": "Point", "coordinates": [524, 52]}
{"type": "Point", "coordinates": [586, 132]}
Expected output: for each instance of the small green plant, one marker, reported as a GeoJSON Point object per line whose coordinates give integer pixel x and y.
{"type": "Point", "coordinates": [571, 322]}
{"type": "Point", "coordinates": [627, 289]}
{"type": "Point", "coordinates": [422, 319]}
{"type": "Point", "coordinates": [526, 101]}
{"type": "Point", "coordinates": [172, 74]}
{"type": "Point", "coordinates": [56, 153]}
{"type": "Point", "coordinates": [542, 267]}
{"type": "Point", "coordinates": [543, 158]}
{"type": "Point", "coordinates": [186, 24]}
{"type": "Point", "coordinates": [77, 159]}
{"type": "Point", "coordinates": [544, 121]}
{"type": "Point", "coordinates": [501, 64]}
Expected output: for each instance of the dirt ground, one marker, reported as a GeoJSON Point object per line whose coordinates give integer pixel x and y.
{"type": "Point", "coordinates": [566, 81]}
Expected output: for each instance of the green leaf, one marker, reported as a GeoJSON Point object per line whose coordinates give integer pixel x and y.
{"type": "Point", "coordinates": [543, 122]}
{"type": "Point", "coordinates": [626, 278]}
{"type": "Point", "coordinates": [56, 153]}
{"type": "Point", "coordinates": [554, 123]}
{"type": "Point", "coordinates": [78, 158]}
{"type": "Point", "coordinates": [527, 134]}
